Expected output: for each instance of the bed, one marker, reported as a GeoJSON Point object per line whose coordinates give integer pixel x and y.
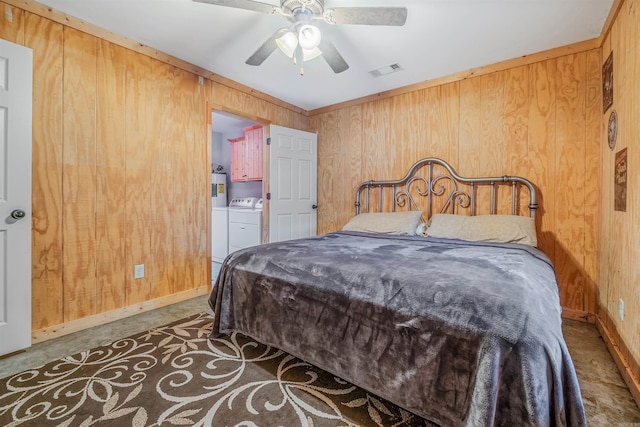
{"type": "Point", "coordinates": [425, 298]}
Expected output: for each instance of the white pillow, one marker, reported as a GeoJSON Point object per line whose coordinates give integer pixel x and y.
{"type": "Point", "coordinates": [385, 222]}
{"type": "Point", "coordinates": [484, 228]}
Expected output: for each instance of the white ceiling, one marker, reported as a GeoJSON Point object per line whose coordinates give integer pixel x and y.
{"type": "Point", "coordinates": [440, 37]}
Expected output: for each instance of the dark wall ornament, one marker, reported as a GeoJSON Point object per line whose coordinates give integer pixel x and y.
{"type": "Point", "coordinates": [607, 83]}
{"type": "Point", "coordinates": [612, 129]}
{"type": "Point", "coordinates": [620, 181]}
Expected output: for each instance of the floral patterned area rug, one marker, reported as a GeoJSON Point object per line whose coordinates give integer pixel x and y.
{"type": "Point", "coordinates": [176, 376]}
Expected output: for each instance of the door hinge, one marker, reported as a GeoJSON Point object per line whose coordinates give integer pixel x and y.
{"type": "Point", "coordinates": [269, 141]}
{"type": "Point", "coordinates": [268, 196]}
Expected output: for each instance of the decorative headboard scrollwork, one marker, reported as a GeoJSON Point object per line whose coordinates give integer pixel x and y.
{"type": "Point", "coordinates": [434, 182]}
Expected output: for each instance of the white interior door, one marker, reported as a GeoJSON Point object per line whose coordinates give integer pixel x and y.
{"type": "Point", "coordinates": [15, 196]}
{"type": "Point", "coordinates": [293, 184]}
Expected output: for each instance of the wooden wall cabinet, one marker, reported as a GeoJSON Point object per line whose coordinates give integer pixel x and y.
{"type": "Point", "coordinates": [246, 155]}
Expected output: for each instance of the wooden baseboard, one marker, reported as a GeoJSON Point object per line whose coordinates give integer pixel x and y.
{"type": "Point", "coordinates": [625, 364]}
{"type": "Point", "coordinates": [110, 316]}
{"type": "Point", "coordinates": [579, 315]}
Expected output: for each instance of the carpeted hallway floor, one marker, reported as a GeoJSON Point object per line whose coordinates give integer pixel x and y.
{"type": "Point", "coordinates": [607, 399]}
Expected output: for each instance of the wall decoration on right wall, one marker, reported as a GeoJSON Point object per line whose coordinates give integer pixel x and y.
{"type": "Point", "coordinates": [607, 83]}
{"type": "Point", "coordinates": [620, 181]}
{"type": "Point", "coordinates": [612, 129]}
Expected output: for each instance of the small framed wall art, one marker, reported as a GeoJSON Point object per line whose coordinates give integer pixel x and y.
{"type": "Point", "coordinates": [612, 129]}
{"type": "Point", "coordinates": [620, 181]}
{"type": "Point", "coordinates": [607, 83]}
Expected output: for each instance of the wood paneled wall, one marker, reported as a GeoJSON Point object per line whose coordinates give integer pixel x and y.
{"type": "Point", "coordinates": [619, 272]}
{"type": "Point", "coordinates": [121, 169]}
{"type": "Point", "coordinates": [540, 121]}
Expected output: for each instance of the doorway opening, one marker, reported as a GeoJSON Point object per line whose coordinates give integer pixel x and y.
{"type": "Point", "coordinates": [236, 185]}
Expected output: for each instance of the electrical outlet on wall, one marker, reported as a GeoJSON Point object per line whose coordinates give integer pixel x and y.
{"type": "Point", "coordinates": [621, 309]}
{"type": "Point", "coordinates": [138, 271]}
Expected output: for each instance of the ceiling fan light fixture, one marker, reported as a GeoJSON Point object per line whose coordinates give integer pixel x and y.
{"type": "Point", "coordinates": [287, 43]}
{"type": "Point", "coordinates": [309, 36]}
{"type": "Point", "coordinates": [309, 54]}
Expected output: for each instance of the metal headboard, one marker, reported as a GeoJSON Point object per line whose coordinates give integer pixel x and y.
{"type": "Point", "coordinates": [453, 191]}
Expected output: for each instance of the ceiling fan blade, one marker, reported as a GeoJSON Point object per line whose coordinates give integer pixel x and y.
{"type": "Point", "coordinates": [332, 56]}
{"type": "Point", "coordinates": [266, 49]}
{"type": "Point", "coordinates": [395, 16]}
{"type": "Point", "coordinates": [244, 4]}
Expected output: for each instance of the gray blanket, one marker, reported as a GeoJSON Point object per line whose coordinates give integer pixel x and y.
{"type": "Point", "coordinates": [459, 333]}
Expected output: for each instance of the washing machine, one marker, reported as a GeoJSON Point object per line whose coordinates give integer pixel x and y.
{"type": "Point", "coordinates": [245, 223]}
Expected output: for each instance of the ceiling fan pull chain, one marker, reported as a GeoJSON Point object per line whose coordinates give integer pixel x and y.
{"type": "Point", "coordinates": [298, 55]}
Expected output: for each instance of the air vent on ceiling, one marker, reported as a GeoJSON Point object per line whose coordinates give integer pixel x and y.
{"type": "Point", "coordinates": [387, 69]}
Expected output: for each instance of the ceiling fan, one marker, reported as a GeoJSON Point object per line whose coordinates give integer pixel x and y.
{"type": "Point", "coordinates": [303, 41]}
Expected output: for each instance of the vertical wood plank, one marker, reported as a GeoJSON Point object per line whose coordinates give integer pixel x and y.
{"type": "Point", "coordinates": [605, 239]}
{"type": "Point", "coordinates": [45, 38]}
{"type": "Point", "coordinates": [110, 178]}
{"type": "Point", "coordinates": [381, 156]}
{"type": "Point", "coordinates": [470, 143]}
{"type": "Point", "coordinates": [339, 164]}
{"type": "Point", "coordinates": [354, 147]}
{"type": "Point", "coordinates": [189, 242]}
{"type": "Point", "coordinates": [410, 126]}
{"type": "Point", "coordinates": [79, 174]}
{"type": "Point", "coordinates": [541, 151]}
{"type": "Point", "coordinates": [203, 135]}
{"type": "Point", "coordinates": [592, 161]}
{"type": "Point", "coordinates": [200, 135]}
{"type": "Point", "coordinates": [412, 136]}
{"type": "Point", "coordinates": [492, 154]}
{"type": "Point", "coordinates": [180, 151]}
{"type": "Point", "coordinates": [493, 141]}
{"type": "Point", "coordinates": [450, 114]}
{"type": "Point", "coordinates": [434, 132]}
{"type": "Point", "coordinates": [516, 126]}
{"type": "Point", "coordinates": [330, 158]}
{"type": "Point", "coordinates": [164, 140]}
{"type": "Point", "coordinates": [140, 130]}
{"type": "Point", "coordinates": [570, 119]}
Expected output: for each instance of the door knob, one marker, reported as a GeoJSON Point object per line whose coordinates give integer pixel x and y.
{"type": "Point", "coordinates": [314, 206]}
{"type": "Point", "coordinates": [18, 214]}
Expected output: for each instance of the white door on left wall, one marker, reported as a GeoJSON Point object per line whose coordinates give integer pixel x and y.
{"type": "Point", "coordinates": [15, 196]}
